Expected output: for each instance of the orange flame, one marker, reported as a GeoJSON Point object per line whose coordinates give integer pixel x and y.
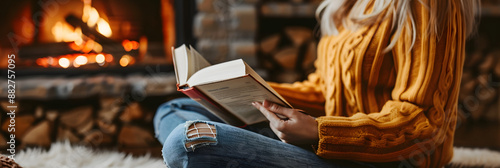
{"type": "Point", "coordinates": [130, 45]}
{"type": "Point", "coordinates": [93, 17]}
{"type": "Point", "coordinates": [64, 32]}
{"type": "Point", "coordinates": [64, 62]}
{"type": "Point", "coordinates": [99, 58]}
{"type": "Point", "coordinates": [81, 60]}
{"type": "Point", "coordinates": [126, 60]}
{"type": "Point", "coordinates": [103, 28]}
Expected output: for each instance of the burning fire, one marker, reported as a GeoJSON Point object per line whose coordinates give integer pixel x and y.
{"type": "Point", "coordinates": [93, 17]}
{"type": "Point", "coordinates": [103, 28]}
{"type": "Point", "coordinates": [77, 60]}
{"type": "Point", "coordinates": [64, 62]}
{"type": "Point", "coordinates": [63, 32]}
{"type": "Point", "coordinates": [91, 50]}
{"type": "Point", "coordinates": [126, 60]}
{"type": "Point", "coordinates": [81, 60]}
{"type": "Point", "coordinates": [99, 58]}
{"type": "Point", "coordinates": [130, 45]}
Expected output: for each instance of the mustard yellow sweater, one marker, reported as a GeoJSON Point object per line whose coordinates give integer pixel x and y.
{"type": "Point", "coordinates": [399, 107]}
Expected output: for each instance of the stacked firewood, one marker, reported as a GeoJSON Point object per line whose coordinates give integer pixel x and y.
{"type": "Point", "coordinates": [97, 122]}
{"type": "Point", "coordinates": [225, 30]}
{"type": "Point", "coordinates": [479, 98]}
{"type": "Point", "coordinates": [123, 120]}
{"type": "Point", "coordinates": [289, 55]}
{"type": "Point", "coordinates": [273, 37]}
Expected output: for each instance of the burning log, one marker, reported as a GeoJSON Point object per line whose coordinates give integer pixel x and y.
{"type": "Point", "coordinates": [113, 46]}
{"type": "Point", "coordinates": [108, 45]}
{"type": "Point", "coordinates": [43, 50]}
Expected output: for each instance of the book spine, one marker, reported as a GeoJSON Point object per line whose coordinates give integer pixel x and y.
{"type": "Point", "coordinates": [211, 106]}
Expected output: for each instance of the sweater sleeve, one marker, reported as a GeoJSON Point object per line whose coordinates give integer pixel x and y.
{"type": "Point", "coordinates": [423, 101]}
{"type": "Point", "coordinates": [305, 95]}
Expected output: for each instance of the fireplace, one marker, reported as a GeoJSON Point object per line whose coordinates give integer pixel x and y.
{"type": "Point", "coordinates": [90, 35]}
{"type": "Point", "coordinates": [87, 71]}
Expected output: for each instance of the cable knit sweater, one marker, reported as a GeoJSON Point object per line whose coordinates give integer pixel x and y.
{"type": "Point", "coordinates": [398, 108]}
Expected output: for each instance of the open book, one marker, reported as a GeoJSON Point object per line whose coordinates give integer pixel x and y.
{"type": "Point", "coordinates": [226, 89]}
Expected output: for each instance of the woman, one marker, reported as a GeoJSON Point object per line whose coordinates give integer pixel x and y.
{"type": "Point", "coordinates": [384, 92]}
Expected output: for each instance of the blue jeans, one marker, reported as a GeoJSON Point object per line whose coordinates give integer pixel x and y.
{"type": "Point", "coordinates": [253, 146]}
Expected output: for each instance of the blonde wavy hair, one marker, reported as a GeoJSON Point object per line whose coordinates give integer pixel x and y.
{"type": "Point", "coordinates": [351, 15]}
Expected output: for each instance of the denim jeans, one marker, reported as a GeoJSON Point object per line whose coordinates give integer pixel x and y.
{"type": "Point", "coordinates": [253, 146]}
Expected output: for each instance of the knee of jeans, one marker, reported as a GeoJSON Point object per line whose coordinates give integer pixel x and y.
{"type": "Point", "coordinates": [173, 149]}
{"type": "Point", "coordinates": [186, 138]}
{"type": "Point", "coordinates": [165, 109]}
{"type": "Point", "coordinates": [170, 106]}
{"type": "Point", "coordinates": [199, 134]}
{"type": "Point", "coordinates": [192, 135]}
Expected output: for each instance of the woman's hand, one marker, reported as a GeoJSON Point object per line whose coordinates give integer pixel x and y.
{"type": "Point", "coordinates": [298, 129]}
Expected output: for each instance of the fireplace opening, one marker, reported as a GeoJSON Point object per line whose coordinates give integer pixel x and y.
{"type": "Point", "coordinates": [87, 35]}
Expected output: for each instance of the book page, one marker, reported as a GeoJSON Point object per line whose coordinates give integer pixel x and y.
{"type": "Point", "coordinates": [196, 61]}
{"type": "Point", "coordinates": [237, 95]}
{"type": "Point", "coordinates": [257, 77]}
{"type": "Point", "coordinates": [187, 61]}
{"type": "Point", "coordinates": [218, 72]}
{"type": "Point", "coordinates": [227, 118]}
{"type": "Point", "coordinates": [180, 59]}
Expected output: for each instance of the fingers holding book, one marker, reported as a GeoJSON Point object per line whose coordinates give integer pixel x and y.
{"type": "Point", "coordinates": [274, 110]}
{"type": "Point", "coordinates": [290, 125]}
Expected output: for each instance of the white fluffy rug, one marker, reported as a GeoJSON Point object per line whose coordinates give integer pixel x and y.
{"type": "Point", "coordinates": [475, 157]}
{"type": "Point", "coordinates": [64, 155]}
